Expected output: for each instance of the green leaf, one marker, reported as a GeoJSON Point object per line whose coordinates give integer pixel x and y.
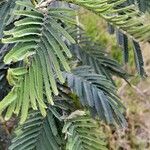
{"type": "Point", "coordinates": [119, 15]}
{"type": "Point", "coordinates": [11, 97]}
{"type": "Point", "coordinates": [84, 134]}
{"type": "Point", "coordinates": [35, 131]}
{"type": "Point", "coordinates": [39, 47]}
{"type": "Point", "coordinates": [97, 94]}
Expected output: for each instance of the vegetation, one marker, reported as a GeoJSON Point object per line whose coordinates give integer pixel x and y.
{"type": "Point", "coordinates": [136, 98]}
{"type": "Point", "coordinates": [56, 80]}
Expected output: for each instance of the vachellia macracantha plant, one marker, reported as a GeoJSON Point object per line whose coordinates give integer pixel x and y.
{"type": "Point", "coordinates": [60, 81]}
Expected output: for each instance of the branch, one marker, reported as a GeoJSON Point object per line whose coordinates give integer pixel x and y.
{"type": "Point", "coordinates": [128, 19]}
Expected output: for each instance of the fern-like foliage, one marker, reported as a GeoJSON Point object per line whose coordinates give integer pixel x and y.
{"type": "Point", "coordinates": [123, 43]}
{"type": "Point", "coordinates": [139, 59]}
{"type": "Point", "coordinates": [144, 5]}
{"type": "Point", "coordinates": [122, 40]}
{"type": "Point", "coordinates": [37, 133]}
{"type": "Point", "coordinates": [39, 48]}
{"type": "Point", "coordinates": [43, 133]}
{"type": "Point", "coordinates": [5, 9]}
{"type": "Point", "coordinates": [44, 89]}
{"type": "Point", "coordinates": [97, 94]}
{"type": "Point", "coordinates": [93, 54]}
{"type": "Point", "coordinates": [126, 18]}
{"type": "Point", "coordinates": [48, 133]}
{"type": "Point", "coordinates": [84, 133]}
{"type": "Point", "coordinates": [7, 17]}
{"type": "Point", "coordinates": [128, 21]}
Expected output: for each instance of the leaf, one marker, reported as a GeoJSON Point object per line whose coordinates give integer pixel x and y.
{"type": "Point", "coordinates": [37, 133]}
{"type": "Point", "coordinates": [93, 54]}
{"type": "Point", "coordinates": [82, 132]}
{"type": "Point", "coordinates": [11, 97]}
{"type": "Point", "coordinates": [139, 59]}
{"type": "Point", "coordinates": [5, 9]}
{"type": "Point", "coordinates": [123, 42]}
{"type": "Point", "coordinates": [40, 46]}
{"type": "Point", "coordinates": [97, 94]}
{"type": "Point", "coordinates": [119, 15]}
